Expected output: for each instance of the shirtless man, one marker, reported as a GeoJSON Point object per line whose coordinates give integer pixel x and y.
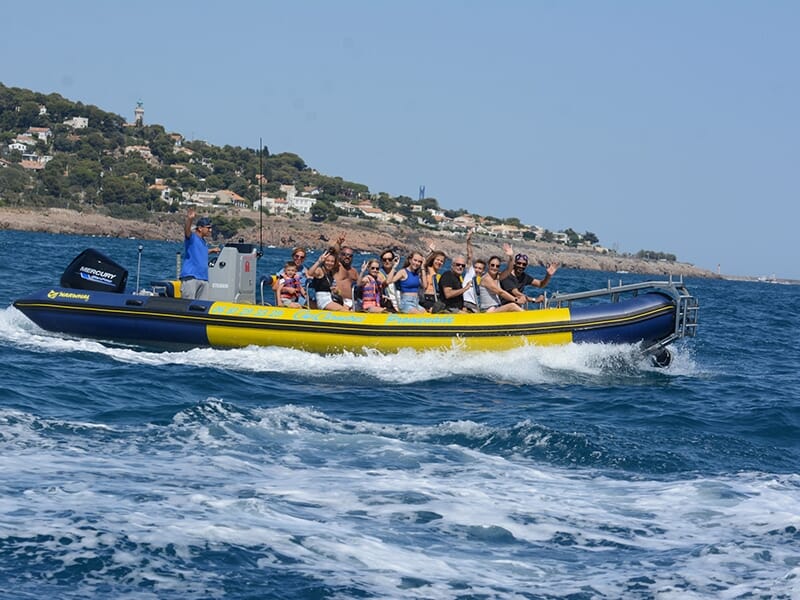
{"type": "Point", "coordinates": [346, 276]}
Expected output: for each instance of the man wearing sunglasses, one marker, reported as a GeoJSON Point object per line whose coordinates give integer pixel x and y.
{"type": "Point", "coordinates": [453, 286]}
{"type": "Point", "coordinates": [517, 280]}
{"type": "Point", "coordinates": [194, 270]}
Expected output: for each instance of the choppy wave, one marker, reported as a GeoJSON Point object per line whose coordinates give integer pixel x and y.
{"type": "Point", "coordinates": [574, 472]}
{"type": "Point", "coordinates": [283, 495]}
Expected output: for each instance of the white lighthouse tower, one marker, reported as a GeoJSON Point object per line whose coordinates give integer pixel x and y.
{"type": "Point", "coordinates": [138, 115]}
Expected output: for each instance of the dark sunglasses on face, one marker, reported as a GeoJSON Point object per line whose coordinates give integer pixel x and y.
{"type": "Point", "coordinates": [387, 258]}
{"type": "Point", "coordinates": [347, 256]}
{"type": "Point", "coordinates": [494, 264]}
{"type": "Point", "coordinates": [459, 265]}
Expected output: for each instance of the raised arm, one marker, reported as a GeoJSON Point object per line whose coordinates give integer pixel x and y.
{"type": "Point", "coordinates": [551, 270]}
{"type": "Point", "coordinates": [313, 269]}
{"type": "Point", "coordinates": [509, 261]}
{"type": "Point", "coordinates": [187, 226]}
{"type": "Point", "coordinates": [469, 248]}
{"type": "Point", "coordinates": [339, 242]}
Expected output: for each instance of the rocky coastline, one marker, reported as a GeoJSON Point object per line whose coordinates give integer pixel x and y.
{"type": "Point", "coordinates": [363, 235]}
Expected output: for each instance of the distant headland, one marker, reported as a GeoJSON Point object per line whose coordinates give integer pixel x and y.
{"type": "Point", "coordinates": [297, 230]}
{"type": "Point", "coordinates": [132, 178]}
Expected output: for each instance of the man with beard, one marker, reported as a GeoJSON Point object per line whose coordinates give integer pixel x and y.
{"type": "Point", "coordinates": [346, 276]}
{"type": "Point", "coordinates": [516, 280]}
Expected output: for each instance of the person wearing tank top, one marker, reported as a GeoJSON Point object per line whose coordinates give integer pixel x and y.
{"type": "Point", "coordinates": [408, 281]}
{"type": "Point", "coordinates": [492, 294]}
{"type": "Point", "coordinates": [323, 273]}
{"type": "Point", "coordinates": [371, 287]}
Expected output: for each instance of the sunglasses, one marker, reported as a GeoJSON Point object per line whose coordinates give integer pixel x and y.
{"type": "Point", "coordinates": [347, 256]}
{"type": "Point", "coordinates": [374, 268]}
{"type": "Point", "coordinates": [519, 257]}
{"type": "Point", "coordinates": [459, 264]}
{"type": "Point", "coordinates": [387, 258]}
{"type": "Point", "coordinates": [494, 264]}
{"type": "Point", "coordinates": [521, 264]}
{"type": "Point", "coordinates": [298, 255]}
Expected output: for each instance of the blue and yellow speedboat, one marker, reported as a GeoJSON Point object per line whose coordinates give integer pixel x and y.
{"type": "Point", "coordinates": [652, 314]}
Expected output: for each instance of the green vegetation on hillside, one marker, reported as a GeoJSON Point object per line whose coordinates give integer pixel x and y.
{"type": "Point", "coordinates": [55, 152]}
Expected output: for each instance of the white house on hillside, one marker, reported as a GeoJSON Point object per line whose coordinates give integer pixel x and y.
{"type": "Point", "coordinates": [77, 122]}
{"type": "Point", "coordinates": [43, 133]}
{"type": "Point", "coordinates": [274, 206]}
{"type": "Point", "coordinates": [301, 204]}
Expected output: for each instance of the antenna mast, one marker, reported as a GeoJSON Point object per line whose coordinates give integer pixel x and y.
{"type": "Point", "coordinates": [260, 198]}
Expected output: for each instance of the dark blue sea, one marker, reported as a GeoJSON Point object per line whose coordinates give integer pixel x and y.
{"type": "Point", "coordinates": [571, 472]}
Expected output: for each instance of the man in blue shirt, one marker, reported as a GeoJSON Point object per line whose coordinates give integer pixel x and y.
{"type": "Point", "coordinates": [194, 271]}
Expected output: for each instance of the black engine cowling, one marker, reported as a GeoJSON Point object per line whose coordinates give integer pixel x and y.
{"type": "Point", "coordinates": [92, 270]}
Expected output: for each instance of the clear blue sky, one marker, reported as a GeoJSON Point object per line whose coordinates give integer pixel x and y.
{"type": "Point", "coordinates": [669, 126]}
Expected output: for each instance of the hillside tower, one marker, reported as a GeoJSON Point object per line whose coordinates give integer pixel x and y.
{"type": "Point", "coordinates": [138, 114]}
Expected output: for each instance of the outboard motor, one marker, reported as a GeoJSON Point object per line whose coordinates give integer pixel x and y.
{"type": "Point", "coordinates": [92, 270]}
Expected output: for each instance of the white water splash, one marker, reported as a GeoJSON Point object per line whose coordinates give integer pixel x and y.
{"type": "Point", "coordinates": [349, 504]}
{"type": "Point", "coordinates": [524, 365]}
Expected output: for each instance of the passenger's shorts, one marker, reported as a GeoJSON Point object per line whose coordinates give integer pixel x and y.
{"type": "Point", "coordinates": [409, 302]}
{"type": "Point", "coordinates": [323, 299]}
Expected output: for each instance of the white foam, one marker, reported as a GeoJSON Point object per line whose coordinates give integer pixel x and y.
{"type": "Point", "coordinates": [370, 505]}
{"type": "Point", "coordinates": [524, 365]}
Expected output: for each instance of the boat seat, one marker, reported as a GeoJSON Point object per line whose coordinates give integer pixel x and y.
{"type": "Point", "coordinates": [171, 288]}
{"type": "Point", "coordinates": [269, 281]}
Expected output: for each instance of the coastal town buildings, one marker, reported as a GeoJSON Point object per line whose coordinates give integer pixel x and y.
{"type": "Point", "coordinates": [195, 172]}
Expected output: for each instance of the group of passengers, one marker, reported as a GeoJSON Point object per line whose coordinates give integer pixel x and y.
{"type": "Point", "coordinates": [415, 287]}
